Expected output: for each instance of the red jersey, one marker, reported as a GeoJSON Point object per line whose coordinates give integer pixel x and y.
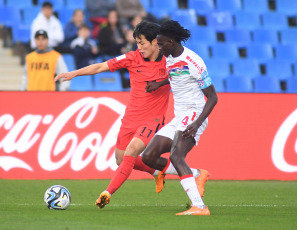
{"type": "Point", "coordinates": [143, 106]}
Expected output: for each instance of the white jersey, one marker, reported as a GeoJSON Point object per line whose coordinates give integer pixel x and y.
{"type": "Point", "coordinates": [187, 76]}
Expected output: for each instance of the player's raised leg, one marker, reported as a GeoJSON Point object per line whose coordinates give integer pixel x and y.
{"type": "Point", "coordinates": [135, 147]}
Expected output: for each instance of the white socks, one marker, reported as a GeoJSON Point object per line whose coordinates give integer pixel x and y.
{"type": "Point", "coordinates": [190, 188]}
{"type": "Point", "coordinates": [171, 170]}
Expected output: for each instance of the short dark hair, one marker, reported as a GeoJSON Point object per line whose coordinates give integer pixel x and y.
{"type": "Point", "coordinates": [174, 30]}
{"type": "Point", "coordinates": [149, 30]}
{"type": "Point", "coordinates": [47, 4]}
{"type": "Point", "coordinates": [85, 26]}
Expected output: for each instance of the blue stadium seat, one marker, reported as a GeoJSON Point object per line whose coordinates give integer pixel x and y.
{"type": "Point", "coordinates": [19, 4]}
{"type": "Point", "coordinates": [81, 83]}
{"type": "Point", "coordinates": [108, 81]}
{"type": "Point", "coordinates": [238, 36]}
{"type": "Point", "coordinates": [229, 5]}
{"type": "Point", "coordinates": [219, 84]}
{"type": "Point", "coordinates": [70, 61]}
{"type": "Point", "coordinates": [286, 52]}
{"type": "Point", "coordinates": [247, 20]}
{"type": "Point", "coordinates": [227, 51]}
{"type": "Point", "coordinates": [169, 5]}
{"type": "Point", "coordinates": [255, 6]}
{"type": "Point", "coordinates": [246, 67]}
{"type": "Point", "coordinates": [57, 4]}
{"type": "Point", "coordinates": [10, 16]}
{"type": "Point", "coordinates": [288, 36]}
{"type": "Point", "coordinates": [2, 3]}
{"type": "Point", "coordinates": [287, 7]}
{"type": "Point", "coordinates": [202, 7]}
{"type": "Point", "coordinates": [65, 15]}
{"type": "Point", "coordinates": [291, 85]}
{"type": "Point", "coordinates": [235, 84]}
{"type": "Point", "coordinates": [29, 14]}
{"type": "Point", "coordinates": [159, 13]}
{"type": "Point", "coordinates": [218, 68]}
{"type": "Point", "coordinates": [21, 33]}
{"type": "Point", "coordinates": [267, 85]}
{"type": "Point", "coordinates": [220, 20]}
{"type": "Point", "coordinates": [75, 4]}
{"type": "Point", "coordinates": [146, 4]}
{"type": "Point", "coordinates": [199, 48]}
{"type": "Point", "coordinates": [276, 21]}
{"type": "Point", "coordinates": [262, 52]}
{"type": "Point", "coordinates": [280, 69]}
{"type": "Point", "coordinates": [265, 36]}
{"type": "Point", "coordinates": [186, 17]}
{"type": "Point", "coordinates": [206, 35]}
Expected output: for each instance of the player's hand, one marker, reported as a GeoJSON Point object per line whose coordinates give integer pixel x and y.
{"type": "Point", "coordinates": [152, 86]}
{"type": "Point", "coordinates": [191, 130]}
{"type": "Point", "coordinates": [64, 76]}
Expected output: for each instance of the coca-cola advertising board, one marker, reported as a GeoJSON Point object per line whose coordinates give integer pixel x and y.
{"type": "Point", "coordinates": [72, 135]}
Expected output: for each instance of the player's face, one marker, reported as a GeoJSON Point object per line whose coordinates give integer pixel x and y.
{"type": "Point", "coordinates": [41, 42]}
{"type": "Point", "coordinates": [165, 45]}
{"type": "Point", "coordinates": [146, 48]}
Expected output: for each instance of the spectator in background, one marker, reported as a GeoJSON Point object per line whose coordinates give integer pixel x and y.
{"type": "Point", "coordinates": [71, 28]}
{"type": "Point", "coordinates": [46, 20]}
{"type": "Point", "coordinates": [42, 65]}
{"type": "Point", "coordinates": [98, 11]}
{"type": "Point", "coordinates": [129, 9]}
{"type": "Point", "coordinates": [111, 38]}
{"type": "Point", "coordinates": [84, 48]}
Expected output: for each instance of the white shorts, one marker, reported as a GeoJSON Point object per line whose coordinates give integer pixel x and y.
{"type": "Point", "coordinates": [180, 123]}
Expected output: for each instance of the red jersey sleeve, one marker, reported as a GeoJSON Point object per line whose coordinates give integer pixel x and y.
{"type": "Point", "coordinates": [123, 61]}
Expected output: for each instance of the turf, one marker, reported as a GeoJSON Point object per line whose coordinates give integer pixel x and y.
{"type": "Point", "coordinates": [233, 205]}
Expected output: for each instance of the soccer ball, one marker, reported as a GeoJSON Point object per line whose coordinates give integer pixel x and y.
{"type": "Point", "coordinates": [57, 197]}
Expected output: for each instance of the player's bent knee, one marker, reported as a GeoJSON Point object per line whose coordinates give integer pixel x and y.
{"type": "Point", "coordinates": [147, 159]}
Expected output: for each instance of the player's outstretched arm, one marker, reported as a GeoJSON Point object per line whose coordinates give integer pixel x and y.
{"type": "Point", "coordinates": [212, 100]}
{"type": "Point", "coordinates": [89, 70]}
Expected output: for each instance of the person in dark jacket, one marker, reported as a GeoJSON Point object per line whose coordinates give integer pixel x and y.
{"type": "Point", "coordinates": [84, 48]}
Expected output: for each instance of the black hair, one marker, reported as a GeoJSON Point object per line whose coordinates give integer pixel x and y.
{"type": "Point", "coordinates": [174, 30]}
{"type": "Point", "coordinates": [47, 4]}
{"type": "Point", "coordinates": [149, 30]}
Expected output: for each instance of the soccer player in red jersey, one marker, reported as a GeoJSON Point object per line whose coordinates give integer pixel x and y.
{"type": "Point", "coordinates": [145, 112]}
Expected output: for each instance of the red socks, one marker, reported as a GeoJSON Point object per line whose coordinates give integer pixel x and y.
{"type": "Point", "coordinates": [139, 165]}
{"type": "Point", "coordinates": [121, 174]}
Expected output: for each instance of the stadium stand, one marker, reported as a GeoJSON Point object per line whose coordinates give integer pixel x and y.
{"type": "Point", "coordinates": [292, 85]}
{"type": "Point", "coordinates": [82, 83]}
{"type": "Point", "coordinates": [265, 36]}
{"type": "Point", "coordinates": [108, 81]}
{"type": "Point", "coordinates": [236, 84]}
{"type": "Point", "coordinates": [247, 20]}
{"type": "Point", "coordinates": [254, 39]}
{"type": "Point", "coordinates": [267, 85]}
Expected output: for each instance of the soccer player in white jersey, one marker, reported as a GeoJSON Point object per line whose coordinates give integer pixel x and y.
{"type": "Point", "coordinates": [190, 82]}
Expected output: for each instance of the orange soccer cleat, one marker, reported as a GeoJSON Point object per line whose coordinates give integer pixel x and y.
{"type": "Point", "coordinates": [103, 199]}
{"type": "Point", "coordinates": [160, 181]}
{"type": "Point", "coordinates": [200, 181]}
{"type": "Point", "coordinates": [195, 211]}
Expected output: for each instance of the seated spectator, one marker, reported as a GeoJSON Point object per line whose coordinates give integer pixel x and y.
{"type": "Point", "coordinates": [131, 44]}
{"type": "Point", "coordinates": [84, 48]}
{"type": "Point", "coordinates": [98, 11]}
{"type": "Point", "coordinates": [46, 20]}
{"type": "Point", "coordinates": [42, 65]}
{"type": "Point", "coordinates": [111, 38]}
{"type": "Point", "coordinates": [71, 28]}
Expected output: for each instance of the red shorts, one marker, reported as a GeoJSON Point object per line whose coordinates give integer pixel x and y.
{"type": "Point", "coordinates": [143, 131]}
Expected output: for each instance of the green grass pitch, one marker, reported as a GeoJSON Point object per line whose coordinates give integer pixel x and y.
{"type": "Point", "coordinates": [233, 205]}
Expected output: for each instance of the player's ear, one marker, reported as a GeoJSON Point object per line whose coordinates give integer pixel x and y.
{"type": "Point", "coordinates": [155, 42]}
